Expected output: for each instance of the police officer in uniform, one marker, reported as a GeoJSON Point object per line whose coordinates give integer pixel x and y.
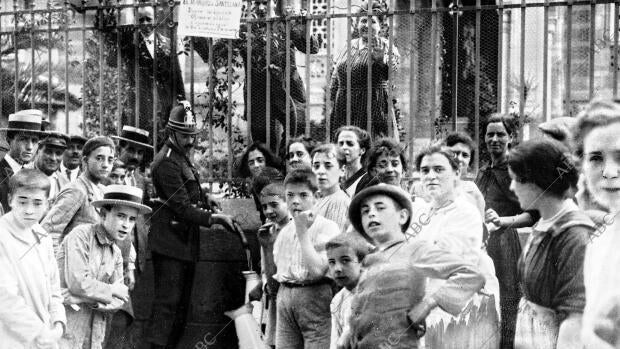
{"type": "Point", "coordinates": [174, 237]}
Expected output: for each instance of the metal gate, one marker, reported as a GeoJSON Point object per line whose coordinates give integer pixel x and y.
{"type": "Point", "coordinates": [458, 63]}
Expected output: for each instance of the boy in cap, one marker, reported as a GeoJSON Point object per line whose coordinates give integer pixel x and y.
{"type": "Point", "coordinates": [31, 310]}
{"type": "Point", "coordinates": [73, 204]}
{"type": "Point", "coordinates": [22, 133]}
{"type": "Point", "coordinates": [48, 158]}
{"type": "Point", "coordinates": [390, 304]}
{"type": "Point", "coordinates": [91, 267]}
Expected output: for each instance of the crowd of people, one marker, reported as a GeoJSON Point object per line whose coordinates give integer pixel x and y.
{"type": "Point", "coordinates": [351, 255]}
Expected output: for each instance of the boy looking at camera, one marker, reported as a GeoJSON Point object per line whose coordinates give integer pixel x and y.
{"type": "Point", "coordinates": [327, 163]}
{"type": "Point", "coordinates": [277, 217]}
{"type": "Point", "coordinates": [31, 310]}
{"type": "Point", "coordinates": [91, 267]}
{"type": "Point", "coordinates": [345, 254]}
{"type": "Point", "coordinates": [303, 317]}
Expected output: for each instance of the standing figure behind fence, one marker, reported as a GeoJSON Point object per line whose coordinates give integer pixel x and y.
{"type": "Point", "coordinates": [280, 96]}
{"type": "Point", "coordinates": [503, 245]}
{"type": "Point", "coordinates": [368, 50]}
{"type": "Point", "coordinates": [157, 65]}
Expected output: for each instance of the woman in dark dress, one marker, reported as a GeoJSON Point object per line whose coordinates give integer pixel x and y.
{"type": "Point", "coordinates": [550, 269]}
{"type": "Point", "coordinates": [503, 245]}
{"type": "Point", "coordinates": [358, 58]}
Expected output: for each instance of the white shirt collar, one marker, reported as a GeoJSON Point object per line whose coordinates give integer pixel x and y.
{"type": "Point", "coordinates": [15, 166]}
{"type": "Point", "coordinates": [64, 169]}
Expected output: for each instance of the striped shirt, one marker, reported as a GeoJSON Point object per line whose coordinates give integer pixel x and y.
{"type": "Point", "coordinates": [335, 207]}
{"type": "Point", "coordinates": [287, 250]}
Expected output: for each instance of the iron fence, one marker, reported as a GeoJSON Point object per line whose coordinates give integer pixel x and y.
{"type": "Point", "coordinates": [458, 63]}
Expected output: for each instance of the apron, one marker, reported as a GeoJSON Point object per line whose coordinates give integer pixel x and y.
{"type": "Point", "coordinates": [537, 326]}
{"type": "Point", "coordinates": [476, 327]}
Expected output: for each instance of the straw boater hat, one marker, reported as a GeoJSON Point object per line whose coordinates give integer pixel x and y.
{"type": "Point", "coordinates": [27, 121]}
{"type": "Point", "coordinates": [124, 195]}
{"type": "Point", "coordinates": [182, 119]}
{"type": "Point", "coordinates": [396, 193]}
{"type": "Point", "coordinates": [135, 136]}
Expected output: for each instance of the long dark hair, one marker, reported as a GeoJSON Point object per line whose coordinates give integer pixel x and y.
{"type": "Point", "coordinates": [271, 160]}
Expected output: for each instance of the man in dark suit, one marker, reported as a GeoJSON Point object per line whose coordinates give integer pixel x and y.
{"type": "Point", "coordinates": [71, 160]}
{"type": "Point", "coordinates": [165, 75]}
{"type": "Point", "coordinates": [177, 216]}
{"type": "Point", "coordinates": [22, 134]}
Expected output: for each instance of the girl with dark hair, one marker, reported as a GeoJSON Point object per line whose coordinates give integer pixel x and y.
{"type": "Point", "coordinates": [298, 152]}
{"type": "Point", "coordinates": [550, 269]}
{"type": "Point", "coordinates": [503, 244]}
{"type": "Point", "coordinates": [369, 50]}
{"type": "Point", "coordinates": [256, 157]}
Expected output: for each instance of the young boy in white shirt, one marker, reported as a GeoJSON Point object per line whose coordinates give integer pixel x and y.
{"type": "Point", "coordinates": [305, 293]}
{"type": "Point", "coordinates": [31, 311]}
{"type": "Point", "coordinates": [345, 254]}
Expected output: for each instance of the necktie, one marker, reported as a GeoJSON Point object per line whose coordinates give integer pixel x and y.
{"type": "Point", "coordinates": [131, 180]}
{"type": "Point", "coordinates": [69, 174]}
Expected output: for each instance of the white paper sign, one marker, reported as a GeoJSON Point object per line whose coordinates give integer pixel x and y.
{"type": "Point", "coordinates": [210, 18]}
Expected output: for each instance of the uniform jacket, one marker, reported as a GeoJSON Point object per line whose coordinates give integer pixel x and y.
{"type": "Point", "coordinates": [72, 208]}
{"type": "Point", "coordinates": [177, 184]}
{"type": "Point", "coordinates": [30, 297]}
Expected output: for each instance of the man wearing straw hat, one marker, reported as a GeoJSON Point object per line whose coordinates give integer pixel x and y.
{"type": "Point", "coordinates": [90, 266]}
{"type": "Point", "coordinates": [133, 148]}
{"type": "Point", "coordinates": [175, 228]}
{"type": "Point", "coordinates": [22, 134]}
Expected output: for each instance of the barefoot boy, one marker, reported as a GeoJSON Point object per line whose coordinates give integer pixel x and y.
{"type": "Point", "coordinates": [31, 310]}
{"type": "Point", "coordinates": [305, 292]}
